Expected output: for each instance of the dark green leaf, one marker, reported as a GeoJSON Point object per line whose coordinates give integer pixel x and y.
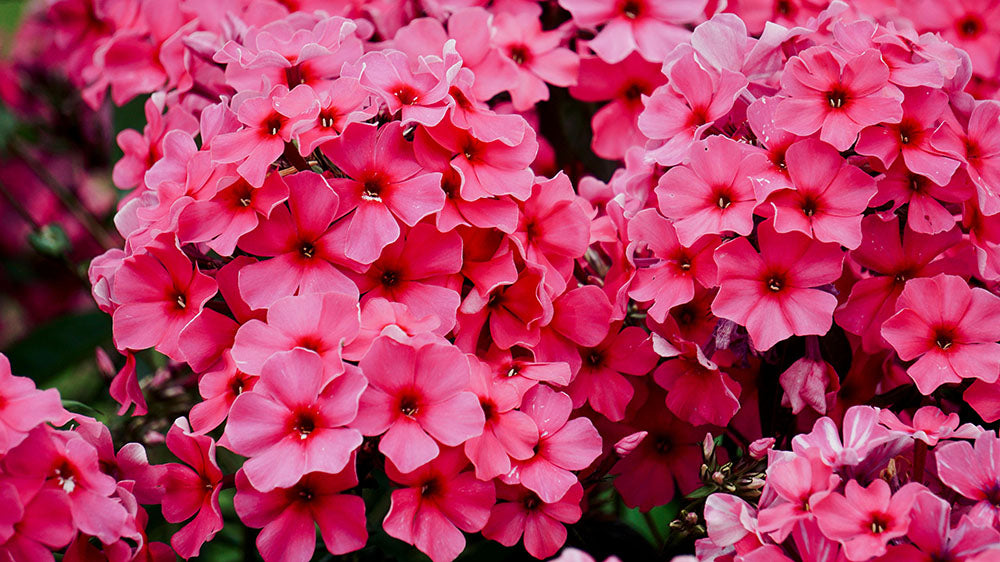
{"type": "Point", "coordinates": [59, 345]}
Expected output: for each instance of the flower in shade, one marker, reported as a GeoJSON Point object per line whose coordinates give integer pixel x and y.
{"type": "Point", "coordinates": [524, 513]}
{"type": "Point", "coordinates": [439, 500]}
{"type": "Point", "coordinates": [975, 473]}
{"type": "Point", "coordinates": [865, 519]}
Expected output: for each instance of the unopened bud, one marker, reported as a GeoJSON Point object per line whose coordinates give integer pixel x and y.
{"type": "Point", "coordinates": [718, 477]}
{"type": "Point", "coordinates": [628, 443]}
{"type": "Point", "coordinates": [759, 448]}
{"type": "Point", "coordinates": [708, 447]}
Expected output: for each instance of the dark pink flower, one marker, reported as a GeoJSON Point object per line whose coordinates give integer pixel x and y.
{"type": "Point", "coordinates": [650, 27]}
{"type": "Point", "coordinates": [417, 396]}
{"type": "Point", "coordinates": [973, 472]}
{"type": "Point", "coordinates": [304, 242]}
{"type": "Point", "coordinates": [191, 490]}
{"type": "Point", "coordinates": [772, 293]}
{"type": "Point", "coordinates": [508, 434]}
{"type": "Point", "coordinates": [288, 516]}
{"type": "Point", "coordinates": [799, 482]}
{"type": "Point", "coordinates": [321, 323]}
{"type": "Point", "coordinates": [600, 380]}
{"type": "Point", "coordinates": [673, 270]}
{"type": "Point", "coordinates": [439, 501]}
{"type": "Point", "coordinates": [925, 211]}
{"type": "Point", "coordinates": [159, 291]}
{"type": "Point", "coordinates": [385, 184]}
{"type": "Point", "coordinates": [616, 124]}
{"type": "Point", "coordinates": [679, 113]}
{"type": "Point", "coordinates": [292, 422]}
{"type": "Point", "coordinates": [564, 445]}
{"type": "Point", "coordinates": [866, 519]}
{"type": "Point", "coordinates": [937, 538]}
{"type": "Point", "coordinates": [945, 325]}
{"type": "Point", "coordinates": [524, 513]}
{"type": "Point", "coordinates": [269, 121]}
{"type": "Point", "coordinates": [838, 98]}
{"type": "Point", "coordinates": [698, 392]}
{"type": "Point", "coordinates": [34, 522]}
{"type": "Point", "coordinates": [712, 193]}
{"type": "Point", "coordinates": [22, 407]}
{"type": "Point", "coordinates": [419, 270]}
{"type": "Point", "coordinates": [219, 388]}
{"type": "Point", "coordinates": [978, 148]}
{"type": "Point", "coordinates": [828, 196]}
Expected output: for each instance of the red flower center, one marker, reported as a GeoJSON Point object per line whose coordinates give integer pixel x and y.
{"type": "Point", "coordinates": [489, 409]}
{"type": "Point", "coordinates": [969, 26]}
{"type": "Point", "coordinates": [430, 488]}
{"type": "Point", "coordinates": [531, 502]}
{"type": "Point", "coordinates": [409, 405]}
{"type": "Point", "coordinates": [390, 278]}
{"type": "Point", "coordinates": [837, 97]}
{"type": "Point", "coordinates": [520, 54]}
{"type": "Point", "coordinates": [775, 283]}
{"type": "Point", "coordinates": [632, 9]}
{"type": "Point", "coordinates": [307, 250]}
{"type": "Point", "coordinates": [303, 424]}
{"type": "Point", "coordinates": [328, 118]}
{"type": "Point", "coordinates": [274, 124]}
{"type": "Point", "coordinates": [880, 522]}
{"type": "Point", "coordinates": [405, 94]}
{"type": "Point", "coordinates": [373, 187]}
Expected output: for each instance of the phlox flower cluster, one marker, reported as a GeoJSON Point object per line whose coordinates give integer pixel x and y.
{"type": "Point", "coordinates": [359, 228]}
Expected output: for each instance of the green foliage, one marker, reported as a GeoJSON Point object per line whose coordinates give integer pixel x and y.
{"type": "Point", "coordinates": [59, 345]}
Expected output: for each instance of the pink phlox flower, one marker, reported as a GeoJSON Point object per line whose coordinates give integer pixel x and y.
{"type": "Point", "coordinates": [418, 92]}
{"type": "Point", "coordinates": [929, 424]}
{"type": "Point", "coordinates": [971, 25]}
{"type": "Point", "coordinates": [601, 381]}
{"type": "Point", "coordinates": [773, 293]}
{"type": "Point", "coordinates": [828, 196]}
{"type": "Point", "coordinates": [487, 168]}
{"type": "Point", "coordinates": [234, 211]}
{"type": "Point", "coordinates": [731, 522]}
{"type": "Point", "coordinates": [305, 243]}
{"type": "Point", "coordinates": [293, 421]}
{"type": "Point", "coordinates": [523, 373]}
{"type": "Point", "coordinates": [191, 490]}
{"type": "Point", "coordinates": [494, 212]}
{"type": "Point", "coordinates": [895, 258]}
{"type": "Point", "coordinates": [910, 139]}
{"type": "Point", "coordinates": [219, 387]}
{"type": "Point", "coordinates": [615, 125]}
{"type": "Point", "coordinates": [984, 398]}
{"type": "Point", "coordinates": [838, 98]}
{"type": "Point", "coordinates": [64, 463]}
{"type": "Point", "coordinates": [650, 474]}
{"type": "Point", "coordinates": [385, 185]}
{"type": "Point", "coordinates": [799, 482]}
{"type": "Point", "coordinates": [129, 466]}
{"type": "Point", "coordinates": [865, 519]}
{"type": "Point", "coordinates": [945, 326]}
{"type": "Point", "coordinates": [439, 500]}
{"type": "Point", "coordinates": [563, 446]}
{"type": "Point", "coordinates": [269, 121]}
{"type": "Point", "coordinates": [863, 440]}
{"type": "Point", "coordinates": [485, 124]}
{"type": "Point", "coordinates": [925, 211]}
{"type": "Point", "coordinates": [670, 275]}
{"type": "Point", "coordinates": [581, 317]}
{"type": "Point", "coordinates": [697, 390]}
{"type": "Point", "coordinates": [787, 13]}
{"type": "Point", "coordinates": [973, 473]}
{"type": "Point", "coordinates": [420, 270]}
{"type": "Point", "coordinates": [290, 52]}
{"type": "Point", "coordinates": [649, 27]}
{"type": "Point", "coordinates": [978, 149]}
{"type": "Point", "coordinates": [321, 323]}
{"type": "Point", "coordinates": [553, 229]}
{"type": "Point", "coordinates": [142, 150]}
{"type": "Point", "coordinates": [513, 313]}
{"type": "Point", "coordinates": [341, 102]}
{"type": "Point", "coordinates": [508, 433]}
{"type": "Point", "coordinates": [529, 58]}
{"type": "Point", "coordinates": [775, 141]}
{"type": "Point", "coordinates": [380, 316]}
{"type": "Point", "coordinates": [524, 513]}
{"type": "Point", "coordinates": [417, 397]}
{"type": "Point", "coordinates": [23, 406]}
{"type": "Point", "coordinates": [680, 112]}
{"type": "Point", "coordinates": [288, 516]}
{"type": "Point", "coordinates": [35, 521]}
{"type": "Point", "coordinates": [713, 192]}
{"type": "Point", "coordinates": [934, 536]}
{"type": "Point", "coordinates": [158, 291]}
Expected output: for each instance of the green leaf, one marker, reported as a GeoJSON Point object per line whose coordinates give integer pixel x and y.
{"type": "Point", "coordinates": [50, 240]}
{"type": "Point", "coordinates": [80, 408]}
{"type": "Point", "coordinates": [58, 345]}
{"type": "Point", "coordinates": [659, 517]}
{"type": "Point", "coordinates": [702, 492]}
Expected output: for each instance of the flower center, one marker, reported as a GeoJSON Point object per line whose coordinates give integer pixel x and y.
{"type": "Point", "coordinates": [662, 445]}
{"type": "Point", "coordinates": [274, 124]}
{"type": "Point", "coordinates": [430, 488]}
{"type": "Point", "coordinates": [879, 524]}
{"type": "Point", "coordinates": [328, 118]}
{"type": "Point", "coordinates": [970, 26]}
{"type": "Point", "coordinates": [65, 477]}
{"type": "Point", "coordinates": [595, 358]}
{"type": "Point", "coordinates": [390, 278]}
{"type": "Point", "coordinates": [408, 406]}
{"type": "Point", "coordinates": [943, 341]}
{"type": "Point", "coordinates": [809, 206]}
{"type": "Point", "coordinates": [373, 187]}
{"type": "Point", "coordinates": [307, 250]}
{"type": "Point", "coordinates": [531, 502]}
{"type": "Point", "coordinates": [632, 9]}
{"type": "Point", "coordinates": [303, 425]}
{"type": "Point", "coordinates": [405, 94]}
{"type": "Point", "coordinates": [489, 409]}
{"type": "Point", "coordinates": [724, 201]}
{"type": "Point", "coordinates": [180, 301]}
{"type": "Point", "coordinates": [306, 494]}
{"type": "Point", "coordinates": [783, 7]}
{"type": "Point", "coordinates": [836, 97]}
{"type": "Point", "coordinates": [775, 283]}
{"type": "Point", "coordinates": [519, 54]}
